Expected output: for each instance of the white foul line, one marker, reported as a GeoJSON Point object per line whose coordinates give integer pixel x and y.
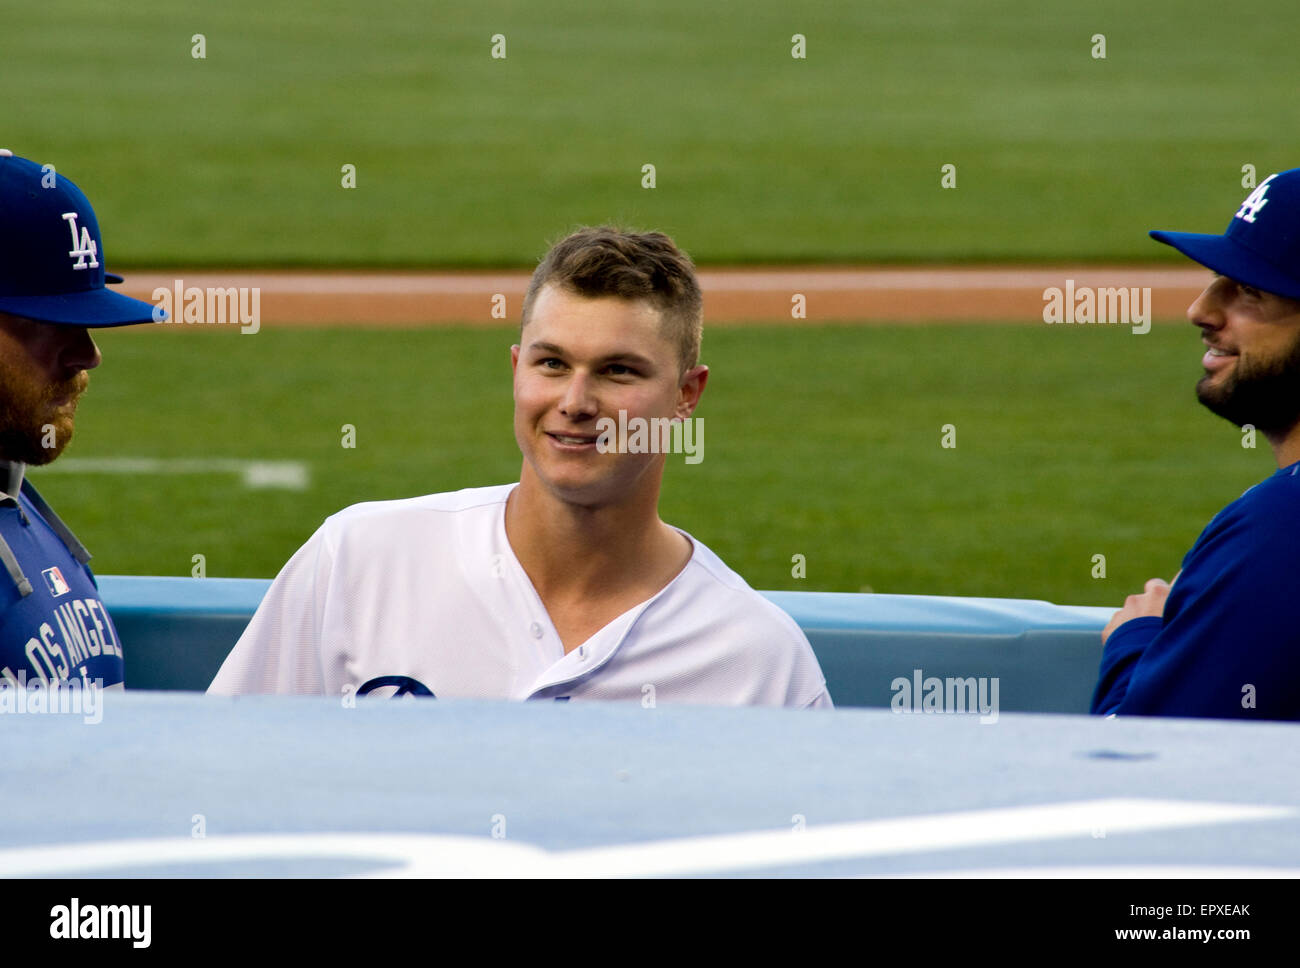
{"type": "Point", "coordinates": [289, 475]}
{"type": "Point", "coordinates": [428, 855]}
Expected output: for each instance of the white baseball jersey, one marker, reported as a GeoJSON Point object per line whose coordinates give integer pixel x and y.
{"type": "Point", "coordinates": [425, 596]}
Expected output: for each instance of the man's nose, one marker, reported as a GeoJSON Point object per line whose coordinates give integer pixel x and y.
{"type": "Point", "coordinates": [1206, 310]}
{"type": "Point", "coordinates": [578, 400]}
{"type": "Point", "coordinates": [79, 351]}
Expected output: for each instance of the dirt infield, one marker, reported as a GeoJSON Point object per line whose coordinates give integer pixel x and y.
{"type": "Point", "coordinates": [731, 295]}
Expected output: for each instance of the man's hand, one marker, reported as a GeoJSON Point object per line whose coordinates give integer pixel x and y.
{"type": "Point", "coordinates": [1150, 602]}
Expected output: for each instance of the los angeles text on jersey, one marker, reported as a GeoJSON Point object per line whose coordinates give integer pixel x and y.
{"type": "Point", "coordinates": [84, 632]}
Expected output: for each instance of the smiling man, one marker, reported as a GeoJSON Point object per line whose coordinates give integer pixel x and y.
{"type": "Point", "coordinates": [1224, 640]}
{"type": "Point", "coordinates": [566, 585]}
{"type": "Point", "coordinates": [53, 627]}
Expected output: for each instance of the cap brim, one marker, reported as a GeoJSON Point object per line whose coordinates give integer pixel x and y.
{"type": "Point", "coordinates": [95, 308]}
{"type": "Point", "coordinates": [1229, 257]}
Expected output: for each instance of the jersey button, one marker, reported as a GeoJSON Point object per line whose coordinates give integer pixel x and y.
{"type": "Point", "coordinates": [536, 630]}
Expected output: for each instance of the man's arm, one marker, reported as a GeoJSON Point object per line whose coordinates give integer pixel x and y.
{"type": "Point", "coordinates": [1118, 662]}
{"type": "Point", "coordinates": [1150, 603]}
{"type": "Point", "coordinates": [1224, 641]}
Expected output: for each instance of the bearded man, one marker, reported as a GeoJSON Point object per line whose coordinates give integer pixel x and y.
{"type": "Point", "coordinates": [1224, 640]}
{"type": "Point", "coordinates": [53, 627]}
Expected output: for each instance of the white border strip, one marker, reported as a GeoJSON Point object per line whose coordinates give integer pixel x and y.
{"type": "Point", "coordinates": [429, 855]}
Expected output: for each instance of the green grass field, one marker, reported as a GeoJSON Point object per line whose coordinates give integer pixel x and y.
{"type": "Point", "coordinates": [466, 160]}
{"type": "Point", "coordinates": [823, 442]}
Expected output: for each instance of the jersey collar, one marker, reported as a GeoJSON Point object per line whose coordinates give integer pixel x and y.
{"type": "Point", "coordinates": [11, 480]}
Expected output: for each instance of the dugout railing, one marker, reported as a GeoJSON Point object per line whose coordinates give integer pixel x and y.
{"type": "Point", "coordinates": [1044, 657]}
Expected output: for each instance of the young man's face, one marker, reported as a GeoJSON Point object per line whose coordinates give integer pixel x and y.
{"type": "Point", "coordinates": [42, 374]}
{"type": "Point", "coordinates": [583, 359]}
{"type": "Point", "coordinates": [1252, 361]}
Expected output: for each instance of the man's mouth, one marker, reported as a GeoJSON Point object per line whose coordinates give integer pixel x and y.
{"type": "Point", "coordinates": [67, 399]}
{"type": "Point", "coordinates": [572, 439]}
{"type": "Point", "coordinates": [69, 391]}
{"type": "Point", "coordinates": [1216, 358]}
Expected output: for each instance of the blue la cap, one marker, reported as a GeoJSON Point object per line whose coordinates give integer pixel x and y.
{"type": "Point", "coordinates": [1261, 246]}
{"type": "Point", "coordinates": [51, 255]}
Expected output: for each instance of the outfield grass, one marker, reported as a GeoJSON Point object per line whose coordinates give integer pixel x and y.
{"type": "Point", "coordinates": [466, 160]}
{"type": "Point", "coordinates": [820, 441]}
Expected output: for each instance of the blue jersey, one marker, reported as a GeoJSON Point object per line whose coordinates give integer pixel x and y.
{"type": "Point", "coordinates": [1228, 644]}
{"type": "Point", "coordinates": [53, 626]}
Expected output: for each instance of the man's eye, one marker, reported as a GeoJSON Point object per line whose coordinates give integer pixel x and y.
{"type": "Point", "coordinates": [548, 361]}
{"type": "Point", "coordinates": [1251, 291]}
{"type": "Point", "coordinates": [618, 369]}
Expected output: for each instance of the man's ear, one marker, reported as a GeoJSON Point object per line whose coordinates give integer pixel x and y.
{"type": "Point", "coordinates": [690, 389]}
{"type": "Point", "coordinates": [514, 359]}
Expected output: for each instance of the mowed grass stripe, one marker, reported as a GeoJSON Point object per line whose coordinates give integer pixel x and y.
{"type": "Point", "coordinates": [462, 159]}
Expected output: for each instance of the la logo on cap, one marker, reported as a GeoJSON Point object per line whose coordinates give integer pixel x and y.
{"type": "Point", "coordinates": [1254, 201]}
{"type": "Point", "coordinates": [42, 276]}
{"type": "Point", "coordinates": [86, 246]}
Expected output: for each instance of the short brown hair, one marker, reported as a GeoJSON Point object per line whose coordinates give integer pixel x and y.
{"type": "Point", "coordinates": [608, 261]}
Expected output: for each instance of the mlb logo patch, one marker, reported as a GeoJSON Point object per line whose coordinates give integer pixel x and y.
{"type": "Point", "coordinates": [54, 579]}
